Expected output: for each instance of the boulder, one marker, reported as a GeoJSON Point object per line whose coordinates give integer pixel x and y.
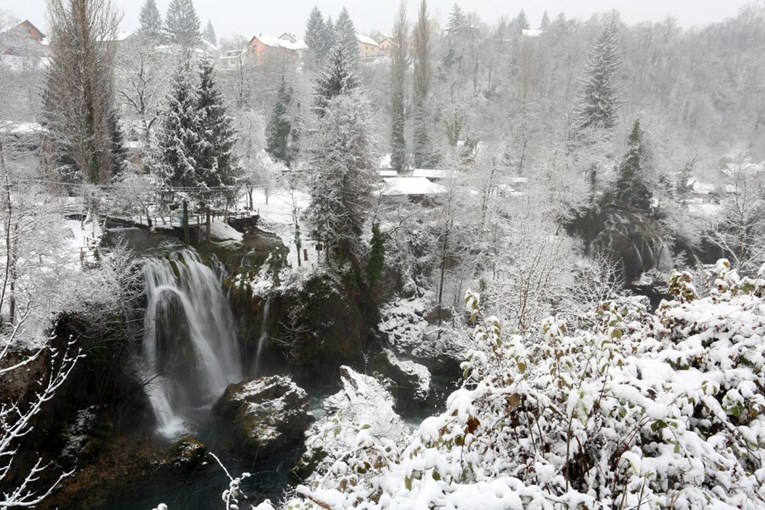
{"type": "Point", "coordinates": [266, 413]}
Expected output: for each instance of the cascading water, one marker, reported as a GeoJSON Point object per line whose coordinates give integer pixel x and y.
{"type": "Point", "coordinates": [263, 338]}
{"type": "Point", "coordinates": [189, 343]}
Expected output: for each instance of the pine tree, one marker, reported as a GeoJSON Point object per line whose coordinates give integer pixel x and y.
{"type": "Point", "coordinates": [151, 23]}
{"type": "Point", "coordinates": [337, 78]}
{"type": "Point", "coordinates": [178, 138]}
{"type": "Point", "coordinates": [329, 36]}
{"type": "Point", "coordinates": [521, 22]}
{"type": "Point", "coordinates": [341, 186]}
{"type": "Point", "coordinates": [119, 150]}
{"type": "Point", "coordinates": [182, 24]}
{"type": "Point", "coordinates": [216, 166]}
{"type": "Point", "coordinates": [457, 23]}
{"type": "Point", "coordinates": [315, 35]}
{"type": "Point", "coordinates": [631, 184]}
{"type": "Point", "coordinates": [209, 34]}
{"type": "Point", "coordinates": [399, 64]}
{"type": "Point", "coordinates": [545, 24]}
{"type": "Point", "coordinates": [281, 138]}
{"type": "Point", "coordinates": [422, 147]}
{"type": "Point", "coordinates": [345, 36]}
{"type": "Point", "coordinates": [599, 96]}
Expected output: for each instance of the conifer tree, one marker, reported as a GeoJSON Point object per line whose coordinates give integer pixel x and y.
{"type": "Point", "coordinates": [178, 138]}
{"type": "Point", "coordinates": [345, 36]}
{"type": "Point", "coordinates": [598, 100]}
{"type": "Point", "coordinates": [182, 24]}
{"type": "Point", "coordinates": [631, 184]}
{"type": "Point", "coordinates": [209, 34]}
{"type": "Point", "coordinates": [151, 23]}
{"type": "Point", "coordinates": [399, 64]}
{"type": "Point", "coordinates": [457, 23]}
{"type": "Point", "coordinates": [315, 35]}
{"type": "Point", "coordinates": [336, 78]}
{"type": "Point", "coordinates": [216, 166]}
{"type": "Point", "coordinates": [119, 150]}
{"type": "Point", "coordinates": [329, 36]}
{"type": "Point", "coordinates": [341, 186]}
{"type": "Point", "coordinates": [281, 138]}
{"type": "Point", "coordinates": [545, 24]}
{"type": "Point", "coordinates": [521, 22]}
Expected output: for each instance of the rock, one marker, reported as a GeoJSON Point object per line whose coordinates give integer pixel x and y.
{"type": "Point", "coordinates": [267, 413]}
{"type": "Point", "coordinates": [186, 455]}
{"type": "Point", "coordinates": [410, 380]}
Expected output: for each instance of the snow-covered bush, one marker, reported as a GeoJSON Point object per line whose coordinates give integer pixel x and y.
{"type": "Point", "coordinates": [644, 410]}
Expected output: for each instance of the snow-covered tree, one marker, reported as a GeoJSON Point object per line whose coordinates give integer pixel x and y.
{"type": "Point", "coordinates": [341, 184]}
{"type": "Point", "coordinates": [209, 34]}
{"type": "Point", "coordinates": [151, 26]}
{"type": "Point", "coordinates": [216, 165]}
{"type": "Point", "coordinates": [179, 139]}
{"type": "Point", "coordinates": [631, 187]}
{"type": "Point", "coordinates": [345, 36]}
{"type": "Point", "coordinates": [182, 24]}
{"type": "Point", "coordinates": [399, 65]}
{"type": "Point", "coordinates": [316, 36]}
{"type": "Point", "coordinates": [336, 78]}
{"type": "Point", "coordinates": [422, 146]}
{"type": "Point", "coordinates": [598, 102]}
{"type": "Point", "coordinates": [545, 23]}
{"type": "Point", "coordinates": [118, 149]}
{"type": "Point", "coordinates": [281, 135]}
{"type": "Point", "coordinates": [456, 26]}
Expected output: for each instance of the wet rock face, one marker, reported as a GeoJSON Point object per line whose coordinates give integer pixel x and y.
{"type": "Point", "coordinates": [267, 414]}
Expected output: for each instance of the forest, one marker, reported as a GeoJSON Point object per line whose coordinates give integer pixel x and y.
{"type": "Point", "coordinates": [451, 263]}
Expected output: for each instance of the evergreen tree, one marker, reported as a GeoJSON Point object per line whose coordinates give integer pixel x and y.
{"type": "Point", "coordinates": [209, 34]}
{"type": "Point", "coordinates": [119, 150]}
{"type": "Point", "coordinates": [345, 36]}
{"type": "Point", "coordinates": [422, 147]}
{"type": "Point", "coordinates": [631, 184]}
{"type": "Point", "coordinates": [151, 22]}
{"type": "Point", "coordinates": [337, 78]}
{"type": "Point", "coordinates": [457, 23]}
{"type": "Point", "coordinates": [216, 167]}
{"type": "Point", "coordinates": [178, 139]}
{"type": "Point", "coordinates": [182, 24]}
{"type": "Point", "coordinates": [281, 138]}
{"type": "Point", "coordinates": [521, 22]}
{"type": "Point", "coordinates": [598, 100]}
{"type": "Point", "coordinates": [399, 64]}
{"type": "Point", "coordinates": [376, 263]}
{"type": "Point", "coordinates": [315, 35]}
{"type": "Point", "coordinates": [341, 186]}
{"type": "Point", "coordinates": [329, 36]}
{"type": "Point", "coordinates": [545, 24]}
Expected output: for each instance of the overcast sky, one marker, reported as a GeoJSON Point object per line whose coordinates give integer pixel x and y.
{"type": "Point", "coordinates": [273, 17]}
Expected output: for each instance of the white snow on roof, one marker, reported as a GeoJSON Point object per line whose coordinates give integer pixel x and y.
{"type": "Point", "coordinates": [398, 186]}
{"type": "Point", "coordinates": [275, 42]}
{"type": "Point", "coordinates": [433, 174]}
{"type": "Point", "coordinates": [704, 188]}
{"type": "Point", "coordinates": [530, 32]}
{"type": "Point", "coordinates": [366, 40]}
{"type": "Point", "coordinates": [387, 173]}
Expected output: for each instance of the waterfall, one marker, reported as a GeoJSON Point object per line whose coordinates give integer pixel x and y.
{"type": "Point", "coordinates": [190, 350]}
{"type": "Point", "coordinates": [263, 338]}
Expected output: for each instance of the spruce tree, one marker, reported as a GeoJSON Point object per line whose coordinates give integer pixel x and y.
{"type": "Point", "coordinates": [545, 24]}
{"type": "Point", "coordinates": [521, 22]}
{"type": "Point", "coordinates": [399, 64]}
{"type": "Point", "coordinates": [345, 36]}
{"type": "Point", "coordinates": [281, 138]}
{"type": "Point", "coordinates": [315, 35]}
{"type": "Point", "coordinates": [329, 36]}
{"type": "Point", "coordinates": [151, 23]}
{"type": "Point", "coordinates": [178, 138]}
{"type": "Point", "coordinates": [341, 185]}
{"type": "Point", "coordinates": [119, 150]}
{"type": "Point", "coordinates": [631, 183]}
{"type": "Point", "coordinates": [182, 24]}
{"type": "Point", "coordinates": [422, 147]}
{"type": "Point", "coordinates": [216, 166]}
{"type": "Point", "coordinates": [336, 78]}
{"type": "Point", "coordinates": [209, 34]}
{"type": "Point", "coordinates": [598, 100]}
{"type": "Point", "coordinates": [457, 23]}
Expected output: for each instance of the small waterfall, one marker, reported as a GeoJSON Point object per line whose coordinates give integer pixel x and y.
{"type": "Point", "coordinates": [189, 344]}
{"type": "Point", "coordinates": [263, 338]}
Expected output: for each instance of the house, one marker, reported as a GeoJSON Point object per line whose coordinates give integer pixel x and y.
{"type": "Point", "coordinates": [386, 46]}
{"type": "Point", "coordinates": [231, 60]}
{"type": "Point", "coordinates": [287, 47]}
{"type": "Point", "coordinates": [23, 47]}
{"type": "Point", "coordinates": [409, 189]}
{"type": "Point", "coordinates": [368, 47]}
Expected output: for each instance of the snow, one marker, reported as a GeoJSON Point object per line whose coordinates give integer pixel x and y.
{"type": "Point", "coordinates": [401, 186]}
{"type": "Point", "coordinates": [530, 32]}
{"type": "Point", "coordinates": [221, 231]}
{"type": "Point", "coordinates": [433, 174]}
{"type": "Point", "coordinates": [387, 173]}
{"type": "Point", "coordinates": [366, 40]}
{"type": "Point", "coordinates": [276, 42]}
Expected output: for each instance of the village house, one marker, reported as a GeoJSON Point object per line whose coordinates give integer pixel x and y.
{"type": "Point", "coordinates": [23, 46]}
{"type": "Point", "coordinates": [286, 47]}
{"type": "Point", "coordinates": [385, 46]}
{"type": "Point", "coordinates": [368, 47]}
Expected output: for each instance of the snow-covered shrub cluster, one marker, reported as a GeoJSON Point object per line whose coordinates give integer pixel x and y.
{"type": "Point", "coordinates": [644, 410]}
